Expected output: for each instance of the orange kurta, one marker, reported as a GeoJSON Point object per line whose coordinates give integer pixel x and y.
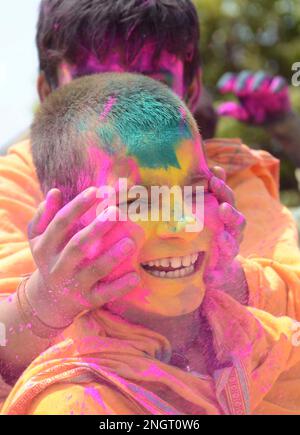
{"type": "Point", "coordinates": [106, 366]}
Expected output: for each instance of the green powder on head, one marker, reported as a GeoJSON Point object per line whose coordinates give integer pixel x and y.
{"type": "Point", "coordinates": [151, 128]}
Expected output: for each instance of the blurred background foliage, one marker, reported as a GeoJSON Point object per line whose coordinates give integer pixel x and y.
{"type": "Point", "coordinates": [258, 35]}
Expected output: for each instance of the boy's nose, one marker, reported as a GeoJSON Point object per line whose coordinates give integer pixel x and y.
{"type": "Point", "coordinates": [178, 229]}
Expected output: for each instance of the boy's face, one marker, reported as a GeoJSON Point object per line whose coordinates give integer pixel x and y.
{"type": "Point", "coordinates": [169, 70]}
{"type": "Point", "coordinates": [169, 260]}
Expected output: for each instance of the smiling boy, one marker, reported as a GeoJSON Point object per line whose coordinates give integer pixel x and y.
{"type": "Point", "coordinates": [170, 345]}
{"type": "Point", "coordinates": [74, 41]}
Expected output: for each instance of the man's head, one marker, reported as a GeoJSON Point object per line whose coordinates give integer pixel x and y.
{"type": "Point", "coordinates": [103, 128]}
{"type": "Point", "coordinates": [157, 38]}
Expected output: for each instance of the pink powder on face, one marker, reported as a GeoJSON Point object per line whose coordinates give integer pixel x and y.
{"type": "Point", "coordinates": [107, 108]}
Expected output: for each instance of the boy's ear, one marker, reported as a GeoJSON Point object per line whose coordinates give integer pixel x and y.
{"type": "Point", "coordinates": [43, 87]}
{"type": "Point", "coordinates": [193, 92]}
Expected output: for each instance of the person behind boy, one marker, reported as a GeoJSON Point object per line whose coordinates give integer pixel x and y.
{"type": "Point", "coordinates": [170, 346]}
{"type": "Point", "coordinates": [71, 44]}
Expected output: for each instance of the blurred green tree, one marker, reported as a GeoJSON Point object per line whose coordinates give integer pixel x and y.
{"type": "Point", "coordinates": [253, 35]}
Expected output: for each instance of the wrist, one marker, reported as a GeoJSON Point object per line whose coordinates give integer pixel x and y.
{"type": "Point", "coordinates": [44, 306]}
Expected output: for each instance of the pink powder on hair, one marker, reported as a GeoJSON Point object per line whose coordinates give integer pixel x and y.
{"type": "Point", "coordinates": [107, 108]}
{"type": "Point", "coordinates": [183, 113]}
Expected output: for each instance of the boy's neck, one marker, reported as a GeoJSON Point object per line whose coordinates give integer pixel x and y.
{"type": "Point", "coordinates": [181, 331]}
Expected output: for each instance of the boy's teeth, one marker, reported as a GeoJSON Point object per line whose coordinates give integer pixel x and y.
{"type": "Point", "coordinates": [182, 266]}
{"type": "Point", "coordinates": [194, 258]}
{"type": "Point", "coordinates": [174, 262]}
{"type": "Point", "coordinates": [164, 262]}
{"type": "Point", "coordinates": [179, 273]}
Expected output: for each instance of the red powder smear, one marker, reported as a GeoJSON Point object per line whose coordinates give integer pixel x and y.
{"type": "Point", "coordinates": [107, 108]}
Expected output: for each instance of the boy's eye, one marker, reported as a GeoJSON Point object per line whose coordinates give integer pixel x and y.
{"type": "Point", "coordinates": [132, 200]}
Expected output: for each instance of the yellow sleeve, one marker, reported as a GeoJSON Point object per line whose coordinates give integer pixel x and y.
{"type": "Point", "coordinates": [5, 389]}
{"type": "Point", "coordinates": [86, 399]}
{"type": "Point", "coordinates": [284, 397]}
{"type": "Point", "coordinates": [283, 367]}
{"type": "Point", "coordinates": [19, 197]}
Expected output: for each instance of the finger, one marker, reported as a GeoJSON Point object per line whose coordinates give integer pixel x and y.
{"type": "Point", "coordinates": [278, 84]}
{"type": "Point", "coordinates": [32, 229]}
{"type": "Point", "coordinates": [228, 249]}
{"type": "Point", "coordinates": [258, 79]}
{"type": "Point", "coordinates": [107, 292]}
{"type": "Point", "coordinates": [103, 266]}
{"type": "Point", "coordinates": [233, 220]}
{"type": "Point", "coordinates": [233, 110]}
{"type": "Point", "coordinates": [68, 217]}
{"type": "Point", "coordinates": [219, 172]}
{"type": "Point", "coordinates": [221, 191]}
{"type": "Point", "coordinates": [45, 213]}
{"type": "Point", "coordinates": [88, 242]}
{"type": "Point", "coordinates": [226, 82]}
{"type": "Point", "coordinates": [241, 82]}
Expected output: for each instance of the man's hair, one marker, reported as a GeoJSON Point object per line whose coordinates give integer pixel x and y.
{"type": "Point", "coordinates": [73, 29]}
{"type": "Point", "coordinates": [120, 113]}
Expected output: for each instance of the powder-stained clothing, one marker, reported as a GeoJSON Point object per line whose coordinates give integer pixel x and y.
{"type": "Point", "coordinates": [269, 251]}
{"type": "Point", "coordinates": [103, 365]}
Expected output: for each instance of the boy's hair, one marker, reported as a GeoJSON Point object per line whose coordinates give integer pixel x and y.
{"type": "Point", "coordinates": [120, 113]}
{"type": "Point", "coordinates": [72, 30]}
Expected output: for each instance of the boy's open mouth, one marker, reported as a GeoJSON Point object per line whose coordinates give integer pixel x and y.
{"type": "Point", "coordinates": [174, 267]}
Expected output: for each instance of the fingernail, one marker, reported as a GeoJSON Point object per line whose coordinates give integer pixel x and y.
{"type": "Point", "coordinates": [48, 195]}
{"type": "Point", "coordinates": [127, 245]}
{"type": "Point", "coordinates": [90, 192]}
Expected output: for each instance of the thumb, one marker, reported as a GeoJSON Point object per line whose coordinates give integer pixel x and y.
{"type": "Point", "coordinates": [45, 213]}
{"type": "Point", "coordinates": [233, 110]}
{"type": "Point", "coordinates": [226, 83]}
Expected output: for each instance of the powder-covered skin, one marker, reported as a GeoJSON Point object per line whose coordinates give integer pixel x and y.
{"type": "Point", "coordinates": [169, 70]}
{"type": "Point", "coordinates": [156, 240]}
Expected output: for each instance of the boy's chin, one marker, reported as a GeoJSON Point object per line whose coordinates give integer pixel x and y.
{"type": "Point", "coordinates": [135, 309]}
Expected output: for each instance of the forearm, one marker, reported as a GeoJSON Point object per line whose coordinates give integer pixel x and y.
{"type": "Point", "coordinates": [286, 131]}
{"type": "Point", "coordinates": [32, 320]}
